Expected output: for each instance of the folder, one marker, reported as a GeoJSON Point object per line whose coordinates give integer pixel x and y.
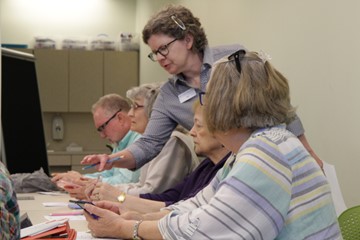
{"type": "Point", "coordinates": [55, 230]}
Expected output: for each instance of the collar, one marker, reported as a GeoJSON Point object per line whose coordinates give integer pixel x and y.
{"type": "Point", "coordinates": [208, 60]}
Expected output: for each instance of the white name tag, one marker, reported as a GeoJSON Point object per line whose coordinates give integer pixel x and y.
{"type": "Point", "coordinates": [183, 97]}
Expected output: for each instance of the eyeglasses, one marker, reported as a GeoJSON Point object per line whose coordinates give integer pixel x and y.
{"type": "Point", "coordinates": [237, 56]}
{"type": "Point", "coordinates": [136, 106]}
{"type": "Point", "coordinates": [163, 50]}
{"type": "Point", "coordinates": [103, 126]}
{"type": "Point", "coordinates": [202, 98]}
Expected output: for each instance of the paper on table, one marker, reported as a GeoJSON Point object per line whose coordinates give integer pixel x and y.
{"type": "Point", "coordinates": [71, 218]}
{"type": "Point", "coordinates": [55, 204]}
{"type": "Point", "coordinates": [57, 193]}
{"type": "Point", "coordinates": [87, 235]}
{"type": "Point", "coordinates": [68, 213]}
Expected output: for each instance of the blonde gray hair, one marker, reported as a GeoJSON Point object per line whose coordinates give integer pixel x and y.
{"type": "Point", "coordinates": [257, 97]}
{"type": "Point", "coordinates": [148, 92]}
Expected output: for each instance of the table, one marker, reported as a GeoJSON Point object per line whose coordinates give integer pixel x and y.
{"type": "Point", "coordinates": [36, 210]}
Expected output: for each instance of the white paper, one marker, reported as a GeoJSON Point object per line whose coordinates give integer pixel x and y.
{"type": "Point", "coordinates": [335, 188]}
{"type": "Point", "coordinates": [53, 193]}
{"type": "Point", "coordinates": [87, 235]}
{"type": "Point", "coordinates": [55, 204]}
{"type": "Point", "coordinates": [71, 218]}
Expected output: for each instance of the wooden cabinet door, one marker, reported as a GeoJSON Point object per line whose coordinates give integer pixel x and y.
{"type": "Point", "coordinates": [53, 78]}
{"type": "Point", "coordinates": [59, 163]}
{"type": "Point", "coordinates": [121, 71]}
{"type": "Point", "coordinates": [86, 79]}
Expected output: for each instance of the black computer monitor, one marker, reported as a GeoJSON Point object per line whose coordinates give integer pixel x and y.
{"type": "Point", "coordinates": [23, 142]}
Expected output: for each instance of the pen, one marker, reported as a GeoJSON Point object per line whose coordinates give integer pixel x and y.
{"type": "Point", "coordinates": [108, 161]}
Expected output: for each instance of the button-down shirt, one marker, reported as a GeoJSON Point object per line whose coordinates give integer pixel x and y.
{"type": "Point", "coordinates": [120, 175]}
{"type": "Point", "coordinates": [168, 111]}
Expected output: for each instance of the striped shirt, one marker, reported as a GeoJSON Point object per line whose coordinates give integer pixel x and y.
{"type": "Point", "coordinates": [271, 189]}
{"type": "Point", "coordinates": [9, 209]}
{"type": "Point", "coordinates": [168, 111]}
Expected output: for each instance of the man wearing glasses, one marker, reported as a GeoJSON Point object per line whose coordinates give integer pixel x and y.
{"type": "Point", "coordinates": [110, 114]}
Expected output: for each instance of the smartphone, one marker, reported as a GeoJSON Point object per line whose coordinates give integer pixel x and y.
{"type": "Point", "coordinates": [81, 204]}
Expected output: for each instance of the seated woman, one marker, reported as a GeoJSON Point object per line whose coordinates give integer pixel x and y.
{"type": "Point", "coordinates": [205, 145]}
{"type": "Point", "coordinates": [174, 162]}
{"type": "Point", "coordinates": [270, 188]}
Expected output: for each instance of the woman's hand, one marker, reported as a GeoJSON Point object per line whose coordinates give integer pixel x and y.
{"type": "Point", "coordinates": [104, 191]}
{"type": "Point", "coordinates": [109, 223]}
{"type": "Point", "coordinates": [132, 215]}
{"type": "Point", "coordinates": [78, 190]}
{"type": "Point", "coordinates": [100, 159]}
{"type": "Point", "coordinates": [127, 160]}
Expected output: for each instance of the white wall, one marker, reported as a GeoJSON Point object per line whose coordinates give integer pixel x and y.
{"type": "Point", "coordinates": [22, 20]}
{"type": "Point", "coordinates": [314, 43]}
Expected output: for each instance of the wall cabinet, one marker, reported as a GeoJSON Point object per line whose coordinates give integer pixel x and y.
{"type": "Point", "coordinates": [52, 71]}
{"type": "Point", "coordinates": [59, 163]}
{"type": "Point", "coordinates": [71, 80]}
{"type": "Point", "coordinates": [85, 79]}
{"type": "Point", "coordinates": [66, 162]}
{"type": "Point", "coordinates": [121, 71]}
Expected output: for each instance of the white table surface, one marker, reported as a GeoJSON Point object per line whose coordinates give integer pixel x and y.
{"type": "Point", "coordinates": [36, 210]}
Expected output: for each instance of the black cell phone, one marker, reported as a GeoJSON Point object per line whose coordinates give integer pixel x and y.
{"type": "Point", "coordinates": [81, 204]}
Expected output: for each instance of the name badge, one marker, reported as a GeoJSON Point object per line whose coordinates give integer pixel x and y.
{"type": "Point", "coordinates": [188, 94]}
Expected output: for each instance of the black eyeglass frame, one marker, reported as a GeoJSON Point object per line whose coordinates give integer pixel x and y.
{"type": "Point", "coordinates": [103, 126]}
{"type": "Point", "coordinates": [163, 50]}
{"type": "Point", "coordinates": [201, 98]}
{"type": "Point", "coordinates": [237, 57]}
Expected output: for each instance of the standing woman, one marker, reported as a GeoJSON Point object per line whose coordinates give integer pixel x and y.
{"type": "Point", "coordinates": [178, 43]}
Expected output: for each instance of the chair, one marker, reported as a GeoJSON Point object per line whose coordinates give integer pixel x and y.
{"type": "Point", "coordinates": [349, 222]}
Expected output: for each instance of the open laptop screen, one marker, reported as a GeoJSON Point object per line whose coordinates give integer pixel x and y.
{"type": "Point", "coordinates": [23, 148]}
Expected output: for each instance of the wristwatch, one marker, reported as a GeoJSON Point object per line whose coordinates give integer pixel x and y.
{"type": "Point", "coordinates": [121, 198]}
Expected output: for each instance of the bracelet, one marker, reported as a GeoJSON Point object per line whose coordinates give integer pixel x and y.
{"type": "Point", "coordinates": [136, 230]}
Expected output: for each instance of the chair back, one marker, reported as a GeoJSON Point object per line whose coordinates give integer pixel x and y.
{"type": "Point", "coordinates": [349, 222]}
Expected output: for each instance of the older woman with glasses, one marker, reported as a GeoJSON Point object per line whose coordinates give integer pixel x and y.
{"type": "Point", "coordinates": [179, 45]}
{"type": "Point", "coordinates": [270, 188]}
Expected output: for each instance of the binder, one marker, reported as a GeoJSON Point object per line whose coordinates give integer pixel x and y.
{"type": "Point", "coordinates": [53, 230]}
